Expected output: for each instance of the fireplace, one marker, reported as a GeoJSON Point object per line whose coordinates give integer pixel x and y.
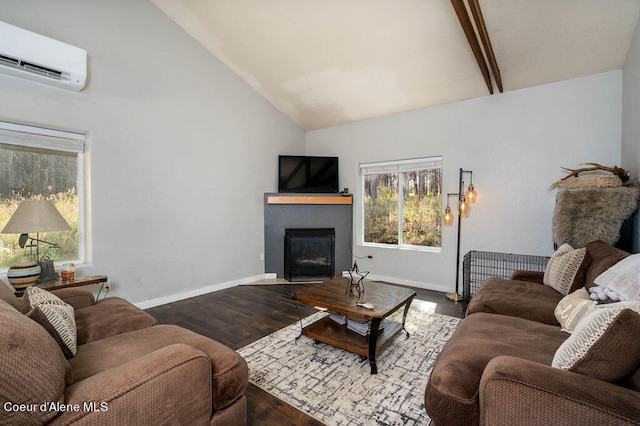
{"type": "Point", "coordinates": [309, 253]}
{"type": "Point", "coordinates": [284, 212]}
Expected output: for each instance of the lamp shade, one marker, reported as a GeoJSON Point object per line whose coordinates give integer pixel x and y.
{"type": "Point", "coordinates": [447, 218]}
{"type": "Point", "coordinates": [471, 195]}
{"type": "Point", "coordinates": [463, 207]}
{"type": "Point", "coordinates": [35, 216]}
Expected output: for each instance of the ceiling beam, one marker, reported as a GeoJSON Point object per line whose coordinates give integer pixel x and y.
{"type": "Point", "coordinates": [486, 42]}
{"type": "Point", "coordinates": [469, 32]}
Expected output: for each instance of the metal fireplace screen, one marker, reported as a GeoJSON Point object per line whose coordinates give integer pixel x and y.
{"type": "Point", "coordinates": [309, 254]}
{"type": "Point", "coordinates": [477, 266]}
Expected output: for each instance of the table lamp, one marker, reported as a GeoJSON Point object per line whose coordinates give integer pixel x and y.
{"type": "Point", "coordinates": [35, 216]}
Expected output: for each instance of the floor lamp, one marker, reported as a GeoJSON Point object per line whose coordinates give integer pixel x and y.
{"type": "Point", "coordinates": [464, 199]}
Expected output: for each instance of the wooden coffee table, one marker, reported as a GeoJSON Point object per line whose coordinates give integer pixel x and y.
{"type": "Point", "coordinates": [333, 295]}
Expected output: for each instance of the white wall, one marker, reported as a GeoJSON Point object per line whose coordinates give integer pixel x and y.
{"type": "Point", "coordinates": [180, 149]}
{"type": "Point", "coordinates": [515, 143]}
{"type": "Point", "coordinates": [181, 152]}
{"type": "Point", "coordinates": [630, 114]}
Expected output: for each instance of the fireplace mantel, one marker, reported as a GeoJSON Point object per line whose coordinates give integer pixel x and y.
{"type": "Point", "coordinates": [310, 199]}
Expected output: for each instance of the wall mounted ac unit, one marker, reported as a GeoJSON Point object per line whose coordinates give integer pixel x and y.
{"type": "Point", "coordinates": [36, 57]}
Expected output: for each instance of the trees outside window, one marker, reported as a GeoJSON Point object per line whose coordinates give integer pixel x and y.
{"type": "Point", "coordinates": [39, 164]}
{"type": "Point", "coordinates": [402, 202]}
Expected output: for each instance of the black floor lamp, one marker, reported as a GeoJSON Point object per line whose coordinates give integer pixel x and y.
{"type": "Point", "coordinates": [464, 199]}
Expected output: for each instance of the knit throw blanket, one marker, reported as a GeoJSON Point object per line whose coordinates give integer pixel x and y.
{"type": "Point", "coordinates": [583, 215]}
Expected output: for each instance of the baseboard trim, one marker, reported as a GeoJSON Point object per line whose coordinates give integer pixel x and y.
{"type": "Point", "coordinates": [196, 292]}
{"type": "Point", "coordinates": [241, 281]}
{"type": "Point", "coordinates": [419, 284]}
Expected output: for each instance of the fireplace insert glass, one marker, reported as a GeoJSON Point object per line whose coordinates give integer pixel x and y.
{"type": "Point", "coordinates": [309, 254]}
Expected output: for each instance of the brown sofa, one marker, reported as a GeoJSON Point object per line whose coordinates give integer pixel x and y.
{"type": "Point", "coordinates": [127, 369]}
{"type": "Point", "coordinates": [496, 368]}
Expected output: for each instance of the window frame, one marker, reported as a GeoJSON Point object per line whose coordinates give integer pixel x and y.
{"type": "Point", "coordinates": [396, 166]}
{"type": "Point", "coordinates": [43, 138]}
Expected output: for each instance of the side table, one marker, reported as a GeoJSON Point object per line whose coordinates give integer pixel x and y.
{"type": "Point", "coordinates": [70, 282]}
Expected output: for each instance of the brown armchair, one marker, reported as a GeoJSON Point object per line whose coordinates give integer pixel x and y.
{"type": "Point", "coordinates": [127, 369]}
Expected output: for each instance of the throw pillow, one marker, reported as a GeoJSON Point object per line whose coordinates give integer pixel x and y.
{"type": "Point", "coordinates": [56, 316]}
{"type": "Point", "coordinates": [603, 257]}
{"type": "Point", "coordinates": [604, 345]}
{"type": "Point", "coordinates": [567, 269]}
{"type": "Point", "coordinates": [33, 369]}
{"type": "Point", "coordinates": [6, 294]}
{"type": "Point", "coordinates": [572, 308]}
{"type": "Point", "coordinates": [634, 305]}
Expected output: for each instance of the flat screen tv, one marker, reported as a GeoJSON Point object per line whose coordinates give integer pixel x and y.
{"type": "Point", "coordinates": [307, 174]}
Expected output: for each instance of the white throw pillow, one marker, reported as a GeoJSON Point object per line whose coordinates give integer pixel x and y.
{"type": "Point", "coordinates": [56, 316]}
{"type": "Point", "coordinates": [572, 308]}
{"type": "Point", "coordinates": [567, 269]}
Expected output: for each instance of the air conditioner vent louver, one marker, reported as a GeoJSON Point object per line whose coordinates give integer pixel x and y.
{"type": "Point", "coordinates": [29, 67]}
{"type": "Point", "coordinates": [29, 55]}
{"type": "Point", "coordinates": [11, 62]}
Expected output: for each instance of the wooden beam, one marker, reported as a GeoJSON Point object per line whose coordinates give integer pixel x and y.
{"type": "Point", "coordinates": [469, 32]}
{"type": "Point", "coordinates": [474, 5]}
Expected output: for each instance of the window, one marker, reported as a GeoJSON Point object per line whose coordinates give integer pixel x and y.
{"type": "Point", "coordinates": [402, 202]}
{"type": "Point", "coordinates": [38, 163]}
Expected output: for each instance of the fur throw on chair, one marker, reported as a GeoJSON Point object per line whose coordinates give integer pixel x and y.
{"type": "Point", "coordinates": [588, 214]}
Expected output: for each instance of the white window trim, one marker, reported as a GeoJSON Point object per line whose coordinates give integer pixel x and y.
{"type": "Point", "coordinates": [42, 138]}
{"type": "Point", "coordinates": [401, 165]}
{"type": "Point", "coordinates": [397, 166]}
{"type": "Point", "coordinates": [55, 140]}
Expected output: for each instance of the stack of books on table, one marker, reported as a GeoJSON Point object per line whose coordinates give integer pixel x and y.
{"type": "Point", "coordinates": [361, 326]}
{"type": "Point", "coordinates": [338, 318]}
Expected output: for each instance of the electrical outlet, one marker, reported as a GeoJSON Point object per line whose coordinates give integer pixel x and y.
{"type": "Point", "coordinates": [261, 256]}
{"type": "Point", "coordinates": [107, 286]}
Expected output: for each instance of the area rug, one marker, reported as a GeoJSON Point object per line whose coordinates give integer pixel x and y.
{"type": "Point", "coordinates": [336, 387]}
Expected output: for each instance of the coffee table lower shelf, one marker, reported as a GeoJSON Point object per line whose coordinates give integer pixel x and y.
{"type": "Point", "coordinates": [328, 331]}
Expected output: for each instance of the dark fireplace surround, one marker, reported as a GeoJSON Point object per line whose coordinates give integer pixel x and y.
{"type": "Point", "coordinates": [324, 220]}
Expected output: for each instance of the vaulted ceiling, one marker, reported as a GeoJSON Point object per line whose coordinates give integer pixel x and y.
{"type": "Point", "coordinates": [324, 63]}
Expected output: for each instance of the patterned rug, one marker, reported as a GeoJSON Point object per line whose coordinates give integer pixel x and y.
{"type": "Point", "coordinates": [336, 387]}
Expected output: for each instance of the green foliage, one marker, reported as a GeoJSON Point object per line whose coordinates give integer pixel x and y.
{"type": "Point", "coordinates": [381, 216]}
{"type": "Point", "coordinates": [421, 221]}
{"type": "Point", "coordinates": [67, 205]}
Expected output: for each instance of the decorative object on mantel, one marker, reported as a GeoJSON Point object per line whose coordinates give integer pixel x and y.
{"type": "Point", "coordinates": [594, 206]}
{"type": "Point", "coordinates": [573, 180]}
{"type": "Point", "coordinates": [353, 285]}
{"type": "Point", "coordinates": [464, 198]}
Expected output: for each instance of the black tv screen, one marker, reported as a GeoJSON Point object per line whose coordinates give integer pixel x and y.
{"type": "Point", "coordinates": [307, 174]}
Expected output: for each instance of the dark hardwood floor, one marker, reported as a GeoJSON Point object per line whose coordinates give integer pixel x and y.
{"type": "Point", "coordinates": [241, 315]}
